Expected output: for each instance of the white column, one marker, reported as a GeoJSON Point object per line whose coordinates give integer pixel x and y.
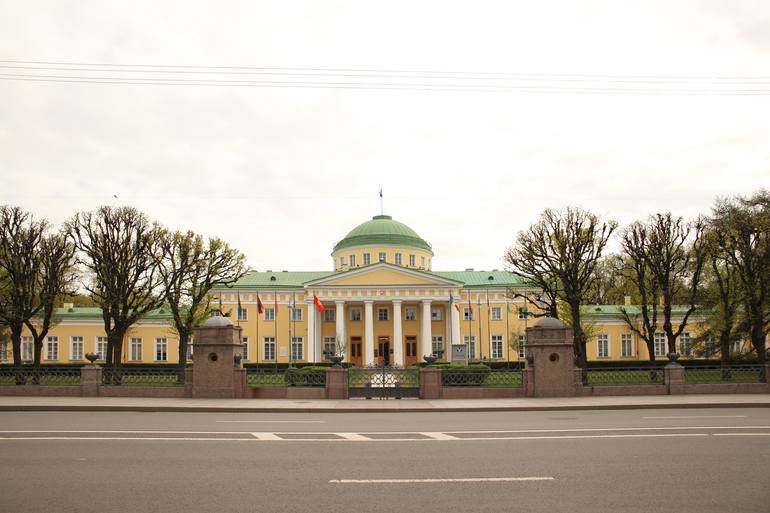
{"type": "Point", "coordinates": [456, 338]}
{"type": "Point", "coordinates": [425, 336]}
{"type": "Point", "coordinates": [311, 345]}
{"type": "Point", "coordinates": [368, 332]}
{"type": "Point", "coordinates": [398, 338]}
{"type": "Point", "coordinates": [319, 338]}
{"type": "Point", "coordinates": [340, 318]}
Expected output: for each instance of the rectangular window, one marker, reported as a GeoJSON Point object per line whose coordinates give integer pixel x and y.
{"type": "Point", "coordinates": [243, 314]}
{"type": "Point", "coordinates": [352, 260]}
{"type": "Point", "coordinates": [367, 259]}
{"type": "Point", "coordinates": [398, 259]}
{"type": "Point", "coordinates": [329, 315]}
{"type": "Point", "coordinates": [736, 347]}
{"type": "Point", "coordinates": [342, 261]}
{"type": "Point", "coordinates": [269, 348]}
{"type": "Point", "coordinates": [660, 344]}
{"type": "Point", "coordinates": [136, 349]}
{"type": "Point", "coordinates": [190, 349]}
{"type": "Point", "coordinates": [437, 345]}
{"type": "Point", "coordinates": [411, 261]}
{"type": "Point", "coordinates": [296, 314]}
{"type": "Point", "coordinates": [471, 344]}
{"type": "Point", "coordinates": [603, 345]}
{"type": "Point", "coordinates": [626, 345]}
{"type": "Point", "coordinates": [101, 348]}
{"type": "Point", "coordinates": [52, 348]}
{"type": "Point", "coordinates": [330, 347]}
{"type": "Point", "coordinates": [76, 348]}
{"type": "Point", "coordinates": [161, 349]}
{"type": "Point", "coordinates": [269, 314]}
{"type": "Point", "coordinates": [355, 314]}
{"type": "Point", "coordinates": [382, 314]}
{"type": "Point", "coordinates": [245, 348]}
{"type": "Point", "coordinates": [467, 314]}
{"type": "Point", "coordinates": [497, 346]}
{"type": "Point", "coordinates": [410, 313]}
{"type": "Point", "coordinates": [422, 262]}
{"type": "Point", "coordinates": [4, 350]}
{"type": "Point", "coordinates": [685, 343]}
{"type": "Point", "coordinates": [522, 345]}
{"type": "Point", "coordinates": [296, 349]}
{"type": "Point", "coordinates": [435, 314]}
{"type": "Point", "coordinates": [381, 256]}
{"type": "Point", "coordinates": [497, 313]}
{"type": "Point", "coordinates": [523, 313]}
{"type": "Point", "coordinates": [27, 349]}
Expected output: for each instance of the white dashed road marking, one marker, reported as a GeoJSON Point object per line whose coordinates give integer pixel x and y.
{"type": "Point", "coordinates": [440, 480]}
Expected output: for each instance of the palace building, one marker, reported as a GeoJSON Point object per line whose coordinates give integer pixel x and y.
{"type": "Point", "coordinates": [382, 302]}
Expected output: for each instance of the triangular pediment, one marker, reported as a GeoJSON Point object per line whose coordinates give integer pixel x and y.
{"type": "Point", "coordinates": [383, 274]}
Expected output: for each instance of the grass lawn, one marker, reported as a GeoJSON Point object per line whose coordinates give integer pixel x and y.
{"type": "Point", "coordinates": [718, 376]}
{"type": "Point", "coordinates": [625, 377]}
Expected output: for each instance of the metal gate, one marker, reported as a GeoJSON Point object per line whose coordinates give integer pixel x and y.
{"type": "Point", "coordinates": [383, 382]}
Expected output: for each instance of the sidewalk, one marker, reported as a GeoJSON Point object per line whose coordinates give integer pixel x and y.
{"type": "Point", "coordinates": [380, 406]}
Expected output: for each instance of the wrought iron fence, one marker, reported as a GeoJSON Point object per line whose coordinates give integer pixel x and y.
{"type": "Point", "coordinates": [496, 378]}
{"type": "Point", "coordinates": [143, 377]}
{"type": "Point", "coordinates": [44, 375]}
{"type": "Point", "coordinates": [618, 376]}
{"type": "Point", "coordinates": [725, 374]}
{"type": "Point", "coordinates": [305, 377]}
{"type": "Point", "coordinates": [261, 377]}
{"type": "Point", "coordinates": [383, 381]}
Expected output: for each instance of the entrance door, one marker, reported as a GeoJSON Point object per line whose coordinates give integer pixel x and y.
{"type": "Point", "coordinates": [410, 354]}
{"type": "Point", "coordinates": [383, 351]}
{"type": "Point", "coordinates": [356, 358]}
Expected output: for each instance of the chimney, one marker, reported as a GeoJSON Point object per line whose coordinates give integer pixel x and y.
{"type": "Point", "coordinates": [627, 300]}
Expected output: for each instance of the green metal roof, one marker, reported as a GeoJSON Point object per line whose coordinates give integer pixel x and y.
{"type": "Point", "coordinates": [382, 230]}
{"type": "Point", "coordinates": [613, 311]}
{"type": "Point", "coordinates": [82, 312]}
{"type": "Point", "coordinates": [483, 279]}
{"type": "Point", "coordinates": [277, 279]}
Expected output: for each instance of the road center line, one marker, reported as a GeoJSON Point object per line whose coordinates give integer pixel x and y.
{"type": "Point", "coordinates": [741, 434]}
{"type": "Point", "coordinates": [699, 417]}
{"type": "Point", "coordinates": [274, 421]}
{"type": "Point", "coordinates": [439, 480]}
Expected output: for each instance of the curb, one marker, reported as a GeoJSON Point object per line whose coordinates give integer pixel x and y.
{"type": "Point", "coordinates": [224, 409]}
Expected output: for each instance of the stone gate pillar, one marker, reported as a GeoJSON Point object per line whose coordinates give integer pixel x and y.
{"type": "Point", "coordinates": [551, 356]}
{"type": "Point", "coordinates": [215, 373]}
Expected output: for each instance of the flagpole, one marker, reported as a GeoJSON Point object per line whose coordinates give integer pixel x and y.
{"type": "Point", "coordinates": [507, 330]}
{"type": "Point", "coordinates": [275, 328]}
{"type": "Point", "coordinates": [489, 329]}
{"type": "Point", "coordinates": [257, 323]}
{"type": "Point", "coordinates": [470, 327]}
{"type": "Point", "coordinates": [382, 208]}
{"type": "Point", "coordinates": [481, 343]}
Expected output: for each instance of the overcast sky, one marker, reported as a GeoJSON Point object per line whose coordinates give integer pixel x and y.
{"type": "Point", "coordinates": [282, 173]}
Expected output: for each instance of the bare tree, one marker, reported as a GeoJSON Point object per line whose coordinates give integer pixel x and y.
{"type": "Point", "coordinates": [118, 247]}
{"type": "Point", "coordinates": [561, 251]}
{"type": "Point", "coordinates": [20, 238]}
{"type": "Point", "coordinates": [189, 269]}
{"type": "Point", "coordinates": [56, 278]}
{"type": "Point", "coordinates": [742, 227]}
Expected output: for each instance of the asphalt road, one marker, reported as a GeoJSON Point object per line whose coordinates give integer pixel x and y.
{"type": "Point", "coordinates": [710, 460]}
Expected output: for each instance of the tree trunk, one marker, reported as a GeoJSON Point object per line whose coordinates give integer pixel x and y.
{"type": "Point", "coordinates": [39, 351]}
{"type": "Point", "coordinates": [578, 337]}
{"type": "Point", "coordinates": [758, 341]}
{"type": "Point", "coordinates": [16, 344]}
{"type": "Point", "coordinates": [724, 348]}
{"type": "Point", "coordinates": [184, 341]}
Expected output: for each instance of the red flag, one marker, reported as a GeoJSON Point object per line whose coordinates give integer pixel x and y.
{"type": "Point", "coordinates": [457, 306]}
{"type": "Point", "coordinates": [260, 308]}
{"type": "Point", "coordinates": [318, 305]}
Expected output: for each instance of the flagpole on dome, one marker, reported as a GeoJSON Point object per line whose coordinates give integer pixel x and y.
{"type": "Point", "coordinates": [382, 208]}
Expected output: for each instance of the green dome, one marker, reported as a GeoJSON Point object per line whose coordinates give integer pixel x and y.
{"type": "Point", "coordinates": [382, 230]}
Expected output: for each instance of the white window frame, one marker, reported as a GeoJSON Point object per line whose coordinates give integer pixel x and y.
{"type": "Point", "coordinates": [422, 262]}
{"type": "Point", "coordinates": [468, 314]}
{"type": "Point", "coordinates": [329, 315]}
{"type": "Point", "coordinates": [101, 344]}
{"type": "Point", "coordinates": [435, 314]}
{"type": "Point", "coordinates": [27, 349]}
{"type": "Point", "coordinates": [603, 345]}
{"type": "Point", "coordinates": [522, 346]}
{"type": "Point", "coordinates": [245, 349]}
{"type": "Point", "coordinates": [382, 256]}
{"type": "Point", "coordinates": [382, 314]}
{"type": "Point", "coordinates": [77, 348]}
{"type": "Point", "coordinates": [627, 345]}
{"type": "Point", "coordinates": [496, 313]}
{"type": "Point", "coordinates": [523, 313]}
{"type": "Point", "coordinates": [497, 346]}
{"type": "Point", "coordinates": [736, 346]}
{"type": "Point", "coordinates": [190, 349]}
{"type": "Point", "coordinates": [471, 345]}
{"type": "Point", "coordinates": [410, 313]}
{"type": "Point", "coordinates": [296, 314]}
{"type": "Point", "coordinates": [161, 349]}
{"type": "Point", "coordinates": [399, 259]}
{"type": "Point", "coordinates": [412, 260]}
{"type": "Point", "coordinates": [659, 343]}
{"type": "Point", "coordinates": [342, 261]}
{"type": "Point", "coordinates": [52, 348]}
{"type": "Point", "coordinates": [297, 349]}
{"type": "Point", "coordinates": [355, 314]}
{"type": "Point", "coordinates": [4, 352]}
{"type": "Point", "coordinates": [437, 344]}
{"type": "Point", "coordinates": [269, 314]}
{"type": "Point", "coordinates": [134, 344]}
{"type": "Point", "coordinates": [330, 347]}
{"type": "Point", "coordinates": [268, 344]}
{"type": "Point", "coordinates": [367, 258]}
{"type": "Point", "coordinates": [352, 260]}
{"type": "Point", "coordinates": [243, 313]}
{"type": "Point", "coordinates": [685, 343]}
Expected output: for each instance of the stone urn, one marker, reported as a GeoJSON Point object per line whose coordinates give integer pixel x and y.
{"type": "Point", "coordinates": [336, 359]}
{"type": "Point", "coordinates": [92, 357]}
{"type": "Point", "coordinates": [430, 359]}
{"type": "Point", "coordinates": [673, 356]}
